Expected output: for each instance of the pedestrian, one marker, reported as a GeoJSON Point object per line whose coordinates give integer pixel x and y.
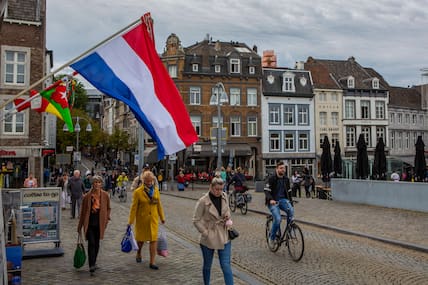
{"type": "Point", "coordinates": [75, 189]}
{"type": "Point", "coordinates": [160, 180]}
{"type": "Point", "coordinates": [395, 176]}
{"type": "Point", "coordinates": [87, 181]}
{"type": "Point", "coordinates": [238, 181]}
{"type": "Point", "coordinates": [309, 182]}
{"type": "Point", "coordinates": [94, 218]}
{"type": "Point", "coordinates": [211, 218]}
{"type": "Point", "coordinates": [180, 181]}
{"type": "Point", "coordinates": [30, 181]}
{"type": "Point", "coordinates": [146, 211]}
{"type": "Point", "coordinates": [277, 197]}
{"type": "Point", "coordinates": [63, 183]}
{"type": "Point", "coordinates": [296, 179]}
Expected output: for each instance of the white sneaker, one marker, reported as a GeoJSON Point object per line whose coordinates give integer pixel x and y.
{"type": "Point", "coordinates": [272, 243]}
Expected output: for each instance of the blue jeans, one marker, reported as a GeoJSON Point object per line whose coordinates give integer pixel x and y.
{"type": "Point", "coordinates": [224, 258]}
{"type": "Point", "coordinates": [284, 205]}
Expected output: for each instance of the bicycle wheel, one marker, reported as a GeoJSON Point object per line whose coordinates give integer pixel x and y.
{"type": "Point", "coordinates": [275, 246]}
{"type": "Point", "coordinates": [295, 242]}
{"type": "Point", "coordinates": [232, 202]}
{"type": "Point", "coordinates": [244, 206]}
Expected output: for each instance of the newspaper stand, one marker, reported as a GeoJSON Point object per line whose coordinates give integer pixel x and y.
{"type": "Point", "coordinates": [41, 221]}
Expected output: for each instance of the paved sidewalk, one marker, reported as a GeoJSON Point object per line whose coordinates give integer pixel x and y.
{"type": "Point", "coordinates": [408, 228]}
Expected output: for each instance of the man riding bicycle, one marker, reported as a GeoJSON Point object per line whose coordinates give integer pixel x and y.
{"type": "Point", "coordinates": [278, 198]}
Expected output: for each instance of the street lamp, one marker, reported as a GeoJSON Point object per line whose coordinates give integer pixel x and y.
{"type": "Point", "coordinates": [77, 130]}
{"type": "Point", "coordinates": [218, 98]}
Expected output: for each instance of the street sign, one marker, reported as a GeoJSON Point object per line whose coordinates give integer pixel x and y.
{"type": "Point", "coordinates": [173, 157]}
{"type": "Point", "coordinates": [77, 156]}
{"type": "Point", "coordinates": [69, 148]}
{"type": "Point", "coordinates": [213, 132]}
{"type": "Point", "coordinates": [63, 158]}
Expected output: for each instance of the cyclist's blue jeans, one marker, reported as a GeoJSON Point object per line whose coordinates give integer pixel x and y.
{"type": "Point", "coordinates": [285, 205]}
{"type": "Point", "coordinates": [224, 257]}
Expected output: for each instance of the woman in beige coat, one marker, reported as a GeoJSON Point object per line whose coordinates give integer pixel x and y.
{"type": "Point", "coordinates": [146, 210]}
{"type": "Point", "coordinates": [94, 216]}
{"type": "Point", "coordinates": [212, 219]}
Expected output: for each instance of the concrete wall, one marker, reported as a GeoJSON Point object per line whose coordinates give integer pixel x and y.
{"type": "Point", "coordinates": [401, 195]}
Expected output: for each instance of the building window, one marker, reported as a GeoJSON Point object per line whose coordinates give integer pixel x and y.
{"type": "Point", "coordinates": [274, 141]}
{"type": "Point", "coordinates": [195, 95]}
{"type": "Point", "coordinates": [195, 67]}
{"type": "Point", "coordinates": [407, 119]}
{"type": "Point", "coordinates": [15, 67]}
{"type": "Point", "coordinates": [392, 141]}
{"type": "Point", "coordinates": [350, 136]}
{"type": "Point", "coordinates": [350, 109]}
{"type": "Point", "coordinates": [380, 133]}
{"type": "Point", "coordinates": [196, 122]}
{"type": "Point", "coordinates": [323, 118]}
{"type": "Point", "coordinates": [392, 118]}
{"type": "Point", "coordinates": [172, 70]}
{"type": "Point", "coordinates": [366, 132]}
{"type": "Point", "coordinates": [235, 96]}
{"type": "Point", "coordinates": [322, 139]}
{"type": "Point", "coordinates": [288, 82]}
{"type": "Point", "coordinates": [235, 126]}
{"type": "Point", "coordinates": [215, 121]}
{"type": "Point", "coordinates": [400, 119]}
{"type": "Point", "coordinates": [252, 126]}
{"type": "Point", "coordinates": [334, 97]}
{"type": "Point", "coordinates": [235, 65]}
{"type": "Point", "coordinates": [414, 118]}
{"type": "Point", "coordinates": [251, 70]}
{"type": "Point", "coordinates": [421, 120]}
{"type": "Point", "coordinates": [323, 97]}
{"type": "Point", "coordinates": [380, 109]}
{"type": "Point", "coordinates": [365, 109]}
{"type": "Point", "coordinates": [334, 118]}
{"type": "Point", "coordinates": [407, 140]}
{"type": "Point", "coordinates": [334, 139]}
{"type": "Point", "coordinates": [303, 141]}
{"type": "Point", "coordinates": [303, 114]}
{"type": "Point", "coordinates": [274, 114]}
{"type": "Point", "coordinates": [288, 141]}
{"type": "Point", "coordinates": [415, 137]}
{"type": "Point", "coordinates": [252, 96]}
{"type": "Point", "coordinates": [13, 124]}
{"type": "Point", "coordinates": [288, 114]}
{"type": "Point", "coordinates": [400, 140]}
{"type": "Point", "coordinates": [375, 83]}
{"type": "Point", "coordinates": [217, 68]}
{"type": "Point", "coordinates": [351, 82]}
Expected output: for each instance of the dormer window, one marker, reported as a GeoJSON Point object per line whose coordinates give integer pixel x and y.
{"type": "Point", "coordinates": [217, 68]}
{"type": "Point", "coordinates": [351, 82]}
{"type": "Point", "coordinates": [195, 67]}
{"type": "Point", "coordinates": [252, 70]}
{"type": "Point", "coordinates": [288, 82]}
{"type": "Point", "coordinates": [375, 83]}
{"type": "Point", "coordinates": [235, 65]}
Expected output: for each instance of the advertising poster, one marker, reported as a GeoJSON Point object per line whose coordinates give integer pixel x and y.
{"type": "Point", "coordinates": [40, 214]}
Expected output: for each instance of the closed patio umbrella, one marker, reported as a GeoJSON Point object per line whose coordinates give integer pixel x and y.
{"type": "Point", "coordinates": [420, 162]}
{"type": "Point", "coordinates": [362, 168]}
{"type": "Point", "coordinates": [379, 164]}
{"type": "Point", "coordinates": [326, 163]}
{"type": "Point", "coordinates": [337, 162]}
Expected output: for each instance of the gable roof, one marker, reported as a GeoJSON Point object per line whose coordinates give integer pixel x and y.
{"type": "Point", "coordinates": [277, 74]}
{"type": "Point", "coordinates": [401, 97]}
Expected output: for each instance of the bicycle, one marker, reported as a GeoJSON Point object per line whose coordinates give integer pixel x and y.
{"type": "Point", "coordinates": [292, 236]}
{"type": "Point", "coordinates": [239, 200]}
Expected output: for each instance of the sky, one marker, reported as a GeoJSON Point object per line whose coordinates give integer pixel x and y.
{"type": "Point", "coordinates": [390, 36]}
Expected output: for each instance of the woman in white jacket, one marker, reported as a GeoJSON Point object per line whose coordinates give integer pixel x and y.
{"type": "Point", "coordinates": [212, 219]}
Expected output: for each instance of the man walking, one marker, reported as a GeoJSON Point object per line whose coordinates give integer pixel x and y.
{"type": "Point", "coordinates": [76, 190]}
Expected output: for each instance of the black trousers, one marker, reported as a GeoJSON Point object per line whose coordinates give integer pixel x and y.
{"type": "Point", "coordinates": [93, 236]}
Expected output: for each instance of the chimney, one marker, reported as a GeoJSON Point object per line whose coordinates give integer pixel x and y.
{"type": "Point", "coordinates": [269, 58]}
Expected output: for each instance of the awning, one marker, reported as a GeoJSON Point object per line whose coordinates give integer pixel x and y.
{"type": "Point", "coordinates": [151, 154]}
{"type": "Point", "coordinates": [406, 159]}
{"type": "Point", "coordinates": [206, 150]}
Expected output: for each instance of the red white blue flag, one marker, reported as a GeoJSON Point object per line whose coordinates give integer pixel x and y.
{"type": "Point", "coordinates": [129, 69]}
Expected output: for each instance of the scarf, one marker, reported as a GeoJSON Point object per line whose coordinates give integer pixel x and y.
{"type": "Point", "coordinates": [95, 199]}
{"type": "Point", "coordinates": [149, 190]}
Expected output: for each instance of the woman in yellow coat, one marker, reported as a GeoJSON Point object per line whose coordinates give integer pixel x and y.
{"type": "Point", "coordinates": [146, 210]}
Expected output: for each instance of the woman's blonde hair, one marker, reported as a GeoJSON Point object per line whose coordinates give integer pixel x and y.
{"type": "Point", "coordinates": [147, 175]}
{"type": "Point", "coordinates": [217, 181]}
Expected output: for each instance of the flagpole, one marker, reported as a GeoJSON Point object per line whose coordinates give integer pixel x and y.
{"type": "Point", "coordinates": [68, 63]}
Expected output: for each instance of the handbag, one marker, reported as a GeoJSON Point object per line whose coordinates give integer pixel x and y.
{"type": "Point", "coordinates": [233, 233]}
{"type": "Point", "coordinates": [79, 253]}
{"type": "Point", "coordinates": [126, 243]}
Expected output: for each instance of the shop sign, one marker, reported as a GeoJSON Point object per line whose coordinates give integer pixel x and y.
{"type": "Point", "coordinates": [7, 152]}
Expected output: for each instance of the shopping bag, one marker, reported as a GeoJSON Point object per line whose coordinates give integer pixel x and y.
{"type": "Point", "coordinates": [162, 243]}
{"type": "Point", "coordinates": [126, 243]}
{"type": "Point", "coordinates": [133, 241]}
{"type": "Point", "coordinates": [79, 253]}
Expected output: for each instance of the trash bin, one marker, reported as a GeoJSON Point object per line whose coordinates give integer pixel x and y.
{"type": "Point", "coordinates": [260, 186]}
